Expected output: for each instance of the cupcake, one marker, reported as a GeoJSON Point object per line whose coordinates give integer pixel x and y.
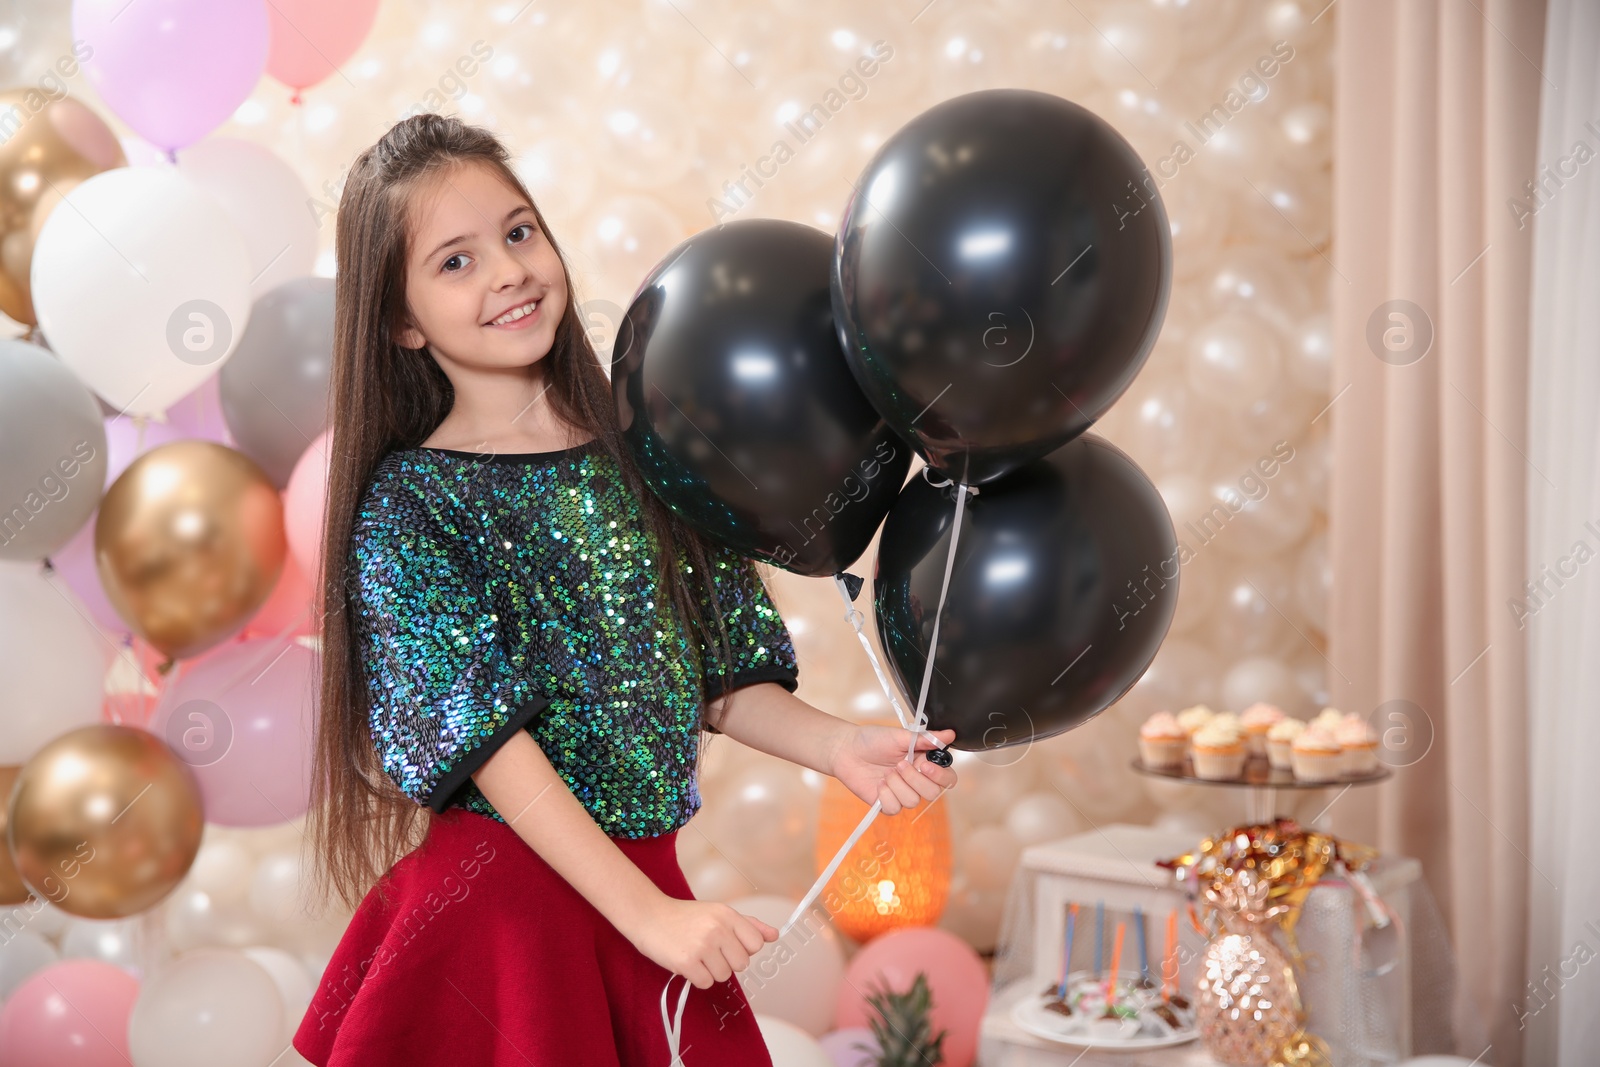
{"type": "Point", "coordinates": [1191, 719]}
{"type": "Point", "coordinates": [1257, 719]}
{"type": "Point", "coordinates": [1280, 741]}
{"type": "Point", "coordinates": [1162, 742]}
{"type": "Point", "coordinates": [1329, 719]}
{"type": "Point", "coordinates": [1317, 755]}
{"type": "Point", "coordinates": [1360, 746]}
{"type": "Point", "coordinates": [1218, 750]}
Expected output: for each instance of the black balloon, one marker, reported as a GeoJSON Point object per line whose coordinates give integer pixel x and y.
{"type": "Point", "coordinates": [737, 404]}
{"type": "Point", "coordinates": [1064, 584]}
{"type": "Point", "coordinates": [999, 277]}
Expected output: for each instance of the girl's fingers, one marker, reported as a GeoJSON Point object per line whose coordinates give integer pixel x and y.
{"type": "Point", "coordinates": [908, 797]}
{"type": "Point", "coordinates": [890, 802]}
{"type": "Point", "coordinates": [926, 787]}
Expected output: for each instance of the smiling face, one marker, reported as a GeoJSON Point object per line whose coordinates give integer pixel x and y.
{"type": "Point", "coordinates": [476, 259]}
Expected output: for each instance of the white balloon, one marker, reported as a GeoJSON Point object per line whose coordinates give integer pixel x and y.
{"type": "Point", "coordinates": [208, 1008]}
{"type": "Point", "coordinates": [52, 662]}
{"type": "Point", "coordinates": [266, 201]}
{"type": "Point", "coordinates": [38, 916]}
{"type": "Point", "coordinates": [21, 954]}
{"type": "Point", "coordinates": [141, 283]}
{"type": "Point", "coordinates": [1313, 580]}
{"type": "Point", "coordinates": [1307, 127]}
{"type": "Point", "coordinates": [294, 984]}
{"type": "Point", "coordinates": [222, 868]}
{"type": "Point", "coordinates": [114, 941]}
{"type": "Point", "coordinates": [790, 1046]}
{"type": "Point", "coordinates": [1235, 360]}
{"type": "Point", "coordinates": [195, 919]}
{"type": "Point", "coordinates": [797, 977]}
{"type": "Point", "coordinates": [1041, 817]}
{"type": "Point", "coordinates": [990, 854]}
{"type": "Point", "coordinates": [275, 890]}
{"type": "Point", "coordinates": [1311, 354]}
{"type": "Point", "coordinates": [1266, 679]}
{"type": "Point", "coordinates": [1135, 45]}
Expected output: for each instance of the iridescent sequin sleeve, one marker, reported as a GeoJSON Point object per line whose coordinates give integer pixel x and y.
{"type": "Point", "coordinates": [762, 649]}
{"type": "Point", "coordinates": [443, 692]}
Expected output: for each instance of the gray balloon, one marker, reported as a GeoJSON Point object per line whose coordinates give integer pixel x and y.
{"type": "Point", "coordinates": [274, 387]}
{"type": "Point", "coordinates": [53, 453]}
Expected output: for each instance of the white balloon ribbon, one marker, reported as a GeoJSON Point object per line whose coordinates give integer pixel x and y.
{"type": "Point", "coordinates": [914, 723]}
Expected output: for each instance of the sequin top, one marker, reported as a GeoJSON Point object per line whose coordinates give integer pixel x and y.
{"type": "Point", "coordinates": [492, 594]}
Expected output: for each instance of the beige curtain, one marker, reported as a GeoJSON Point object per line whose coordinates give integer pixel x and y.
{"type": "Point", "coordinates": [1436, 121]}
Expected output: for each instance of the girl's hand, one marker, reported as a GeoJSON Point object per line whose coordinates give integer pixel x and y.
{"type": "Point", "coordinates": [703, 940]}
{"type": "Point", "coordinates": [871, 762]}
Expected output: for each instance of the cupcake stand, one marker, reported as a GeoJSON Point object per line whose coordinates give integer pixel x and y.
{"type": "Point", "coordinates": [1262, 780]}
{"type": "Point", "coordinates": [1372, 1000]}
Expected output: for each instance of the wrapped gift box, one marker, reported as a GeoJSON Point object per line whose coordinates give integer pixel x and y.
{"type": "Point", "coordinates": [1363, 996]}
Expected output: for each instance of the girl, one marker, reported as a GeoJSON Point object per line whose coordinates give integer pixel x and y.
{"type": "Point", "coordinates": [520, 649]}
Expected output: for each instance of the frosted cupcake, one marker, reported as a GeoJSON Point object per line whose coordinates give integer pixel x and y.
{"type": "Point", "coordinates": [1192, 718]}
{"type": "Point", "coordinates": [1218, 750]}
{"type": "Point", "coordinates": [1317, 755]}
{"type": "Point", "coordinates": [1256, 720]}
{"type": "Point", "coordinates": [1360, 746]}
{"type": "Point", "coordinates": [1328, 719]}
{"type": "Point", "coordinates": [1162, 742]}
{"type": "Point", "coordinates": [1280, 742]}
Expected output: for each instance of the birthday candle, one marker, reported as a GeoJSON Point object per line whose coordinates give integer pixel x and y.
{"type": "Point", "coordinates": [1066, 957]}
{"type": "Point", "coordinates": [1116, 962]}
{"type": "Point", "coordinates": [1144, 955]}
{"type": "Point", "coordinates": [1099, 937]}
{"type": "Point", "coordinates": [1170, 959]}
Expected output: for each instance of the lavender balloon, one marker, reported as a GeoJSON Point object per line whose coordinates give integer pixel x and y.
{"type": "Point", "coordinates": [242, 717]}
{"type": "Point", "coordinates": [174, 70]}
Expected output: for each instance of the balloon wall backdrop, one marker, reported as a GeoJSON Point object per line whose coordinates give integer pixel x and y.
{"type": "Point", "coordinates": [1107, 315]}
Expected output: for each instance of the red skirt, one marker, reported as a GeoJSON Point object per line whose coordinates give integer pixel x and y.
{"type": "Point", "coordinates": [483, 954]}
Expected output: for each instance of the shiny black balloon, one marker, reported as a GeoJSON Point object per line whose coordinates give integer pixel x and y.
{"type": "Point", "coordinates": [1065, 580]}
{"type": "Point", "coordinates": [737, 404]}
{"type": "Point", "coordinates": [999, 277]}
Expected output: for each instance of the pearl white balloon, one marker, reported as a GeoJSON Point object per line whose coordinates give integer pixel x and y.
{"type": "Point", "coordinates": [275, 897]}
{"type": "Point", "coordinates": [1292, 210]}
{"type": "Point", "coordinates": [1264, 679]}
{"type": "Point", "coordinates": [797, 977]}
{"type": "Point", "coordinates": [1310, 362]}
{"type": "Point", "coordinates": [991, 781]}
{"type": "Point", "coordinates": [990, 854]}
{"type": "Point", "coordinates": [1202, 25]}
{"type": "Point", "coordinates": [1100, 789]}
{"type": "Point", "coordinates": [23, 952]}
{"type": "Point", "coordinates": [1255, 279]}
{"type": "Point", "coordinates": [1184, 672]}
{"type": "Point", "coordinates": [790, 1046]}
{"type": "Point", "coordinates": [141, 282]}
{"type": "Point", "coordinates": [1273, 514]}
{"type": "Point", "coordinates": [266, 201]}
{"type": "Point", "coordinates": [38, 916]}
{"type": "Point", "coordinates": [973, 914]}
{"type": "Point", "coordinates": [294, 984]}
{"type": "Point", "coordinates": [195, 919]}
{"type": "Point", "coordinates": [1040, 817]}
{"type": "Point", "coordinates": [715, 879]}
{"type": "Point", "coordinates": [623, 237]}
{"type": "Point", "coordinates": [114, 941]}
{"type": "Point", "coordinates": [222, 868]}
{"type": "Point", "coordinates": [1235, 360]}
{"type": "Point", "coordinates": [1307, 127]}
{"type": "Point", "coordinates": [971, 49]}
{"type": "Point", "coordinates": [207, 1008]}
{"type": "Point", "coordinates": [52, 662]}
{"type": "Point", "coordinates": [1313, 581]}
{"type": "Point", "coordinates": [645, 141]}
{"type": "Point", "coordinates": [1136, 45]}
{"type": "Point", "coordinates": [1256, 611]}
{"type": "Point", "coordinates": [1165, 428]}
{"type": "Point", "coordinates": [560, 175]}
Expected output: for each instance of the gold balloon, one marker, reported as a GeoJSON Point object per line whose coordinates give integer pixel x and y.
{"type": "Point", "coordinates": [57, 146]}
{"type": "Point", "coordinates": [12, 888]}
{"type": "Point", "coordinates": [105, 821]}
{"type": "Point", "coordinates": [189, 543]}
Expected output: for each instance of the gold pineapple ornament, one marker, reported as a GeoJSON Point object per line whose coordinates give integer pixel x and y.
{"type": "Point", "coordinates": [1247, 1004]}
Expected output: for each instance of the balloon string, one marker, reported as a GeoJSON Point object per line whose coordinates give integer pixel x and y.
{"type": "Point", "coordinates": [674, 1027]}
{"type": "Point", "coordinates": [915, 725]}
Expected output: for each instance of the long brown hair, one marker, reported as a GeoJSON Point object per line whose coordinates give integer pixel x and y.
{"type": "Point", "coordinates": [384, 397]}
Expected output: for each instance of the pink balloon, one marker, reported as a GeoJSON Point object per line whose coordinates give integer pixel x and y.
{"type": "Point", "coordinates": [174, 70]}
{"type": "Point", "coordinates": [242, 716]}
{"type": "Point", "coordinates": [310, 38]}
{"type": "Point", "coordinates": [956, 978]}
{"type": "Point", "coordinates": [302, 507]}
{"type": "Point", "coordinates": [70, 1014]}
{"type": "Point", "coordinates": [291, 609]}
{"type": "Point", "coordinates": [126, 440]}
